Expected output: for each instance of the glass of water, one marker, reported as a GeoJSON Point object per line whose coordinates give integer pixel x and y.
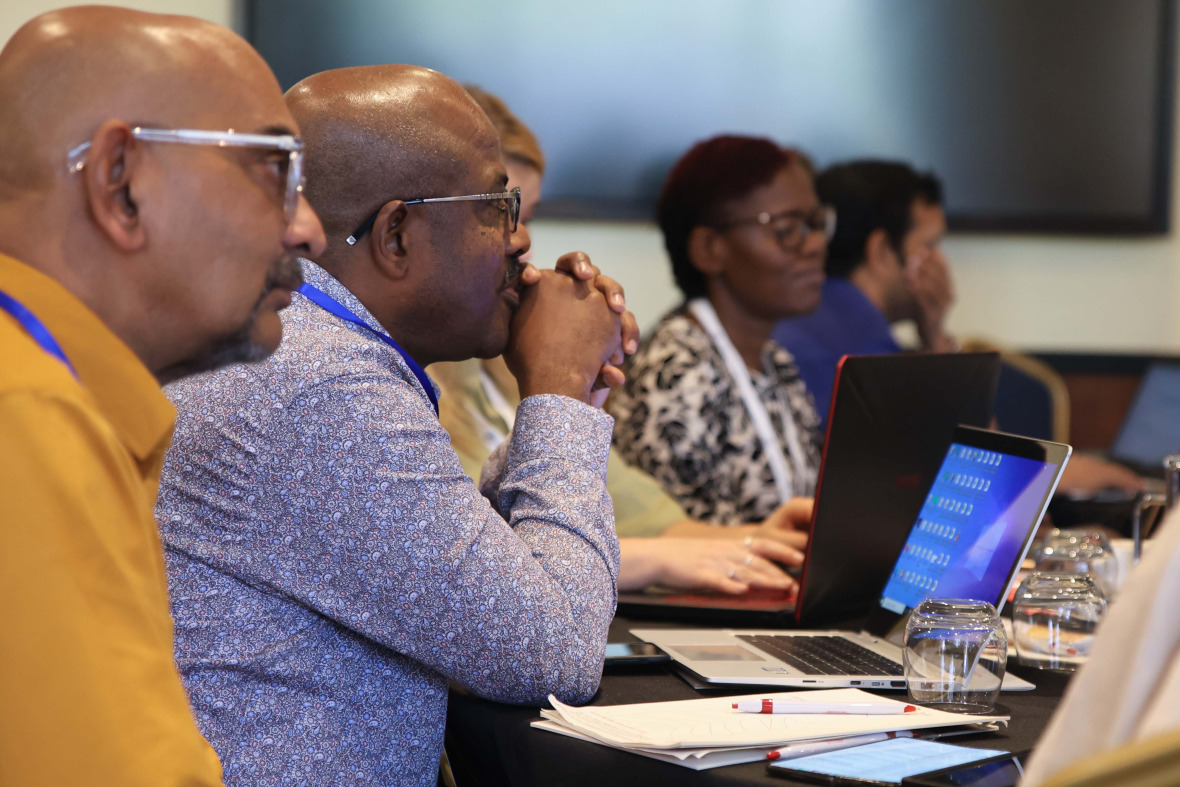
{"type": "Point", "coordinates": [955, 653]}
{"type": "Point", "coordinates": [1054, 618]}
{"type": "Point", "coordinates": [1081, 552]}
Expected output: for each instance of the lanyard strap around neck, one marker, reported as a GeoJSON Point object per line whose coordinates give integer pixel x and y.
{"type": "Point", "coordinates": [35, 329]}
{"type": "Point", "coordinates": [334, 307]}
{"type": "Point", "coordinates": [496, 398]}
{"type": "Point", "coordinates": [783, 473]}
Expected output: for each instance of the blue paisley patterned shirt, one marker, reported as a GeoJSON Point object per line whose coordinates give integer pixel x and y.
{"type": "Point", "coordinates": [331, 566]}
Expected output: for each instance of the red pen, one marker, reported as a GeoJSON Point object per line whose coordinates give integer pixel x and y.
{"type": "Point", "coordinates": [844, 708]}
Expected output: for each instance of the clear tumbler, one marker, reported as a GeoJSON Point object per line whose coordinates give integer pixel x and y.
{"type": "Point", "coordinates": [955, 654]}
{"type": "Point", "coordinates": [1081, 552]}
{"type": "Point", "coordinates": [1054, 618]}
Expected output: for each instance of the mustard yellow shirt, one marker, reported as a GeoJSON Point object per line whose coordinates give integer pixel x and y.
{"type": "Point", "coordinates": [642, 508]}
{"type": "Point", "coordinates": [89, 692]}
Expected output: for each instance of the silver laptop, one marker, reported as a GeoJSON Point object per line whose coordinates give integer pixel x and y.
{"type": "Point", "coordinates": [973, 532]}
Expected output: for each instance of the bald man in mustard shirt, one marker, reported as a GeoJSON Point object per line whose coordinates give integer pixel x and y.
{"type": "Point", "coordinates": [124, 261]}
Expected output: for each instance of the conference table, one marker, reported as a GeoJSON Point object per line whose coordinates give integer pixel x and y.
{"type": "Point", "coordinates": [491, 744]}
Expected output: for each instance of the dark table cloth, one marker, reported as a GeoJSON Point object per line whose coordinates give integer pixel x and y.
{"type": "Point", "coordinates": [490, 744]}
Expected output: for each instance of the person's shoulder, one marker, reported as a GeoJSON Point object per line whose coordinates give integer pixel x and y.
{"type": "Point", "coordinates": [314, 352]}
{"type": "Point", "coordinates": [675, 345]}
{"type": "Point", "coordinates": [58, 419]}
{"type": "Point", "coordinates": [786, 368]}
{"type": "Point", "coordinates": [780, 356]}
{"type": "Point", "coordinates": [39, 389]}
{"type": "Point", "coordinates": [30, 369]}
{"type": "Point", "coordinates": [815, 329]}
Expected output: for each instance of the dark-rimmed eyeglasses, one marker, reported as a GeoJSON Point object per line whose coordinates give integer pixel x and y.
{"type": "Point", "coordinates": [791, 228]}
{"type": "Point", "coordinates": [290, 169]}
{"type": "Point", "coordinates": [511, 205]}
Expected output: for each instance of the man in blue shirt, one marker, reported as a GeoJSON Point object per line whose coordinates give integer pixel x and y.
{"type": "Point", "coordinates": [884, 266]}
{"type": "Point", "coordinates": [332, 568]}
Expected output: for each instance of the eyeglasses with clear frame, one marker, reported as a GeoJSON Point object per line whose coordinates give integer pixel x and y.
{"type": "Point", "coordinates": [791, 228]}
{"type": "Point", "coordinates": [291, 169]}
{"type": "Point", "coordinates": [511, 202]}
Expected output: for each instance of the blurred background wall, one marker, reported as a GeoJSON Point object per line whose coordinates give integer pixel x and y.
{"type": "Point", "coordinates": [1045, 293]}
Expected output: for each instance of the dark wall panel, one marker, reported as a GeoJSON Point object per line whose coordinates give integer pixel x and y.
{"type": "Point", "coordinates": [1049, 115]}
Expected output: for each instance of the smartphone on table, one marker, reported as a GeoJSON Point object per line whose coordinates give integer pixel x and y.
{"type": "Point", "coordinates": [910, 762]}
{"type": "Point", "coordinates": [628, 653]}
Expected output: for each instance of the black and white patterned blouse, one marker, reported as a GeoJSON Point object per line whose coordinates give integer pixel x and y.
{"type": "Point", "coordinates": [680, 418]}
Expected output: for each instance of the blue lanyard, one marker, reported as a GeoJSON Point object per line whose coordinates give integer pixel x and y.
{"type": "Point", "coordinates": [35, 328]}
{"type": "Point", "coordinates": [332, 306]}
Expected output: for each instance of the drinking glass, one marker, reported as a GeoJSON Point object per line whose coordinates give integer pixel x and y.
{"type": "Point", "coordinates": [1054, 617]}
{"type": "Point", "coordinates": [1081, 552]}
{"type": "Point", "coordinates": [955, 653]}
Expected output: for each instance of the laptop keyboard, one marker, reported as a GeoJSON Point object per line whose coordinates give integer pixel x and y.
{"type": "Point", "coordinates": [824, 655]}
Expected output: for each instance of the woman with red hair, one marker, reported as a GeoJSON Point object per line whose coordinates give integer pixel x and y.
{"type": "Point", "coordinates": [712, 407]}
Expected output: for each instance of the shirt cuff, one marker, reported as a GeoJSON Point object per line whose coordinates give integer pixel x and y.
{"type": "Point", "coordinates": [552, 426]}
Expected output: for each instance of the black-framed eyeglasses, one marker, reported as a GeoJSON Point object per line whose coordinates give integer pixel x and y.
{"type": "Point", "coordinates": [511, 205]}
{"type": "Point", "coordinates": [791, 228]}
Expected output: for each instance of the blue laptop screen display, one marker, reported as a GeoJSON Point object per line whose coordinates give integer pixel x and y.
{"type": "Point", "coordinates": [971, 530]}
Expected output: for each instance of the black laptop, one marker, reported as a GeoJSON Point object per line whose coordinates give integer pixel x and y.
{"type": "Point", "coordinates": [891, 420]}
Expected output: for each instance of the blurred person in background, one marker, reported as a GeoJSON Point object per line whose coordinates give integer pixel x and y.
{"type": "Point", "coordinates": [884, 266]}
{"type": "Point", "coordinates": [712, 407]}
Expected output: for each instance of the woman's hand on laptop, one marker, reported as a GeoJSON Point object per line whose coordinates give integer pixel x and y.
{"type": "Point", "coordinates": [723, 565]}
{"type": "Point", "coordinates": [1087, 475]}
{"type": "Point", "coordinates": [790, 524]}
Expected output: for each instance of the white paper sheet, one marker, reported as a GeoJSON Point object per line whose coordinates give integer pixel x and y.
{"type": "Point", "coordinates": [712, 722]}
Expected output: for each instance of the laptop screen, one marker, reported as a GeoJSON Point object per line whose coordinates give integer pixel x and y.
{"type": "Point", "coordinates": [1151, 430]}
{"type": "Point", "coordinates": [974, 526]}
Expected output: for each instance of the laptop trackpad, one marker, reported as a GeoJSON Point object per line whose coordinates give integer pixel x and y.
{"type": "Point", "coordinates": [716, 653]}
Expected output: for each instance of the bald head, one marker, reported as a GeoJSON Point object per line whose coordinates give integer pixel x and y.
{"type": "Point", "coordinates": [377, 133]}
{"type": "Point", "coordinates": [65, 72]}
{"type": "Point", "coordinates": [176, 247]}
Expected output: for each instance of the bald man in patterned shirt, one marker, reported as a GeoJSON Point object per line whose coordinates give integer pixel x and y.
{"type": "Point", "coordinates": [332, 567]}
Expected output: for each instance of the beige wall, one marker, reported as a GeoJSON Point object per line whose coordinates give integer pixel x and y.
{"type": "Point", "coordinates": [14, 13]}
{"type": "Point", "coordinates": [1028, 292]}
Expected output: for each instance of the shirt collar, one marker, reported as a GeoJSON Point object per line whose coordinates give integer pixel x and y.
{"type": "Point", "coordinates": [126, 393]}
{"type": "Point", "coordinates": [318, 277]}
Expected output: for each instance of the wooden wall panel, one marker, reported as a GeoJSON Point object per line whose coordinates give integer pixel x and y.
{"type": "Point", "coordinates": [1098, 405]}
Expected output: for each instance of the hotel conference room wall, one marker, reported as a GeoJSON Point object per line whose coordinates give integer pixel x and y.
{"type": "Point", "coordinates": [1036, 292]}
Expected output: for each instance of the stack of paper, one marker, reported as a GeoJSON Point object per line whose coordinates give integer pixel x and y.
{"type": "Point", "coordinates": [707, 733]}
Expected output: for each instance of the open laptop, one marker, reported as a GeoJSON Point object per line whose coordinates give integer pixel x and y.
{"type": "Point", "coordinates": [1151, 430]}
{"type": "Point", "coordinates": [974, 529]}
{"type": "Point", "coordinates": [889, 423]}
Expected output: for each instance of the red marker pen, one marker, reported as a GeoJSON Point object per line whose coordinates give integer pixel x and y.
{"type": "Point", "coordinates": [845, 708]}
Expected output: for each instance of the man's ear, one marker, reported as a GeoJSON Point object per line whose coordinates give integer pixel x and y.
{"type": "Point", "coordinates": [704, 250]}
{"type": "Point", "coordinates": [879, 252]}
{"type": "Point", "coordinates": [108, 182]}
{"type": "Point", "coordinates": [389, 241]}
